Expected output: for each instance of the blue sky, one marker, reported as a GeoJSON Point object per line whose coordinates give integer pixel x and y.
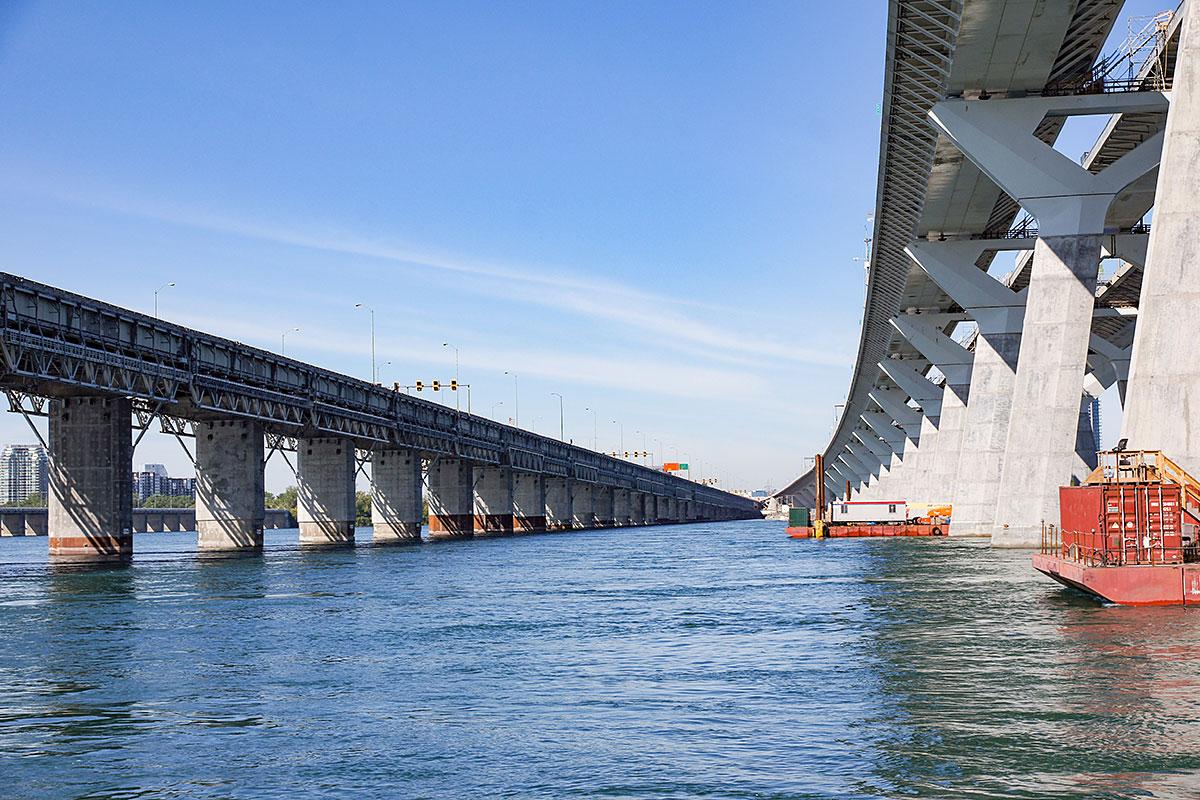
{"type": "Point", "coordinates": [650, 208]}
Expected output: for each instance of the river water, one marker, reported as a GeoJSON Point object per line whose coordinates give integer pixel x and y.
{"type": "Point", "coordinates": [709, 660]}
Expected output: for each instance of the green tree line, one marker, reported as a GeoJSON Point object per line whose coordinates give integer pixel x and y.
{"type": "Point", "coordinates": [362, 505]}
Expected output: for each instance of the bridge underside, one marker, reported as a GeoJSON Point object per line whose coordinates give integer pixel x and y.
{"type": "Point", "coordinates": [975, 382]}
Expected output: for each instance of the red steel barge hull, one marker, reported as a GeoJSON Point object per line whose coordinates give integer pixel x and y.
{"type": "Point", "coordinates": [873, 531]}
{"type": "Point", "coordinates": [1132, 585]}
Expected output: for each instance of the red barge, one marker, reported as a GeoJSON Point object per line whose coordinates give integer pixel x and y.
{"type": "Point", "coordinates": [1129, 534]}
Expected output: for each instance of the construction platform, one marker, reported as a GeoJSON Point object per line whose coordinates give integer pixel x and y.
{"type": "Point", "coordinates": [1128, 535]}
{"type": "Point", "coordinates": [874, 530]}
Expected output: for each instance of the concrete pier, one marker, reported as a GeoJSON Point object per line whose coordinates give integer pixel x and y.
{"type": "Point", "coordinates": [558, 504]}
{"type": "Point", "coordinates": [1164, 374]}
{"type": "Point", "coordinates": [451, 499]}
{"type": "Point", "coordinates": [529, 502]}
{"type": "Point", "coordinates": [396, 496]}
{"type": "Point", "coordinates": [91, 483]}
{"type": "Point", "coordinates": [325, 508]}
{"type": "Point", "coordinates": [622, 514]}
{"type": "Point", "coordinates": [229, 486]}
{"type": "Point", "coordinates": [493, 501]}
{"type": "Point", "coordinates": [602, 506]}
{"type": "Point", "coordinates": [583, 512]}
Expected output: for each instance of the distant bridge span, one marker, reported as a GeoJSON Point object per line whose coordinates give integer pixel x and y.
{"type": "Point", "coordinates": [96, 369]}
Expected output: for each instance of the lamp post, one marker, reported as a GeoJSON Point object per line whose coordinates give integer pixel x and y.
{"type": "Point", "coordinates": [562, 436]}
{"type": "Point", "coordinates": [595, 430]}
{"type": "Point", "coordinates": [457, 380]}
{"type": "Point", "coordinates": [516, 399]}
{"type": "Point", "coordinates": [496, 405]}
{"type": "Point", "coordinates": [374, 374]}
{"type": "Point", "coordinates": [621, 441]}
{"type": "Point", "coordinates": [645, 455]}
{"type": "Point", "coordinates": [156, 291]}
{"type": "Point", "coordinates": [283, 340]}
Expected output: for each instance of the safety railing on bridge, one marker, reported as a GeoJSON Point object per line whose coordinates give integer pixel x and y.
{"type": "Point", "coordinates": [1102, 549]}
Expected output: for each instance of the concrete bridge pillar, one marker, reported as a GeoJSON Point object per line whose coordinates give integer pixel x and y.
{"type": "Point", "coordinates": [36, 524]}
{"type": "Point", "coordinates": [451, 499]}
{"type": "Point", "coordinates": [603, 504]}
{"type": "Point", "coordinates": [1070, 204]}
{"type": "Point", "coordinates": [558, 503]}
{"type": "Point", "coordinates": [91, 479]}
{"type": "Point", "coordinates": [637, 507]}
{"type": "Point", "coordinates": [155, 522]}
{"type": "Point", "coordinates": [1164, 374]}
{"type": "Point", "coordinates": [529, 502]}
{"type": "Point", "coordinates": [229, 485]}
{"type": "Point", "coordinates": [920, 463]}
{"type": "Point", "coordinates": [622, 513]}
{"type": "Point", "coordinates": [583, 512]}
{"type": "Point", "coordinates": [493, 501]}
{"type": "Point", "coordinates": [396, 496]}
{"type": "Point", "coordinates": [325, 507]}
{"type": "Point", "coordinates": [12, 523]}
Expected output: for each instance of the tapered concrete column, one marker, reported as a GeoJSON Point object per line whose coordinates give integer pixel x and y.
{"type": "Point", "coordinates": [1070, 204]}
{"type": "Point", "coordinates": [583, 512]}
{"type": "Point", "coordinates": [229, 485]}
{"type": "Point", "coordinates": [91, 479]}
{"type": "Point", "coordinates": [622, 516]}
{"type": "Point", "coordinates": [529, 502]}
{"type": "Point", "coordinates": [493, 501]}
{"type": "Point", "coordinates": [1164, 374]}
{"type": "Point", "coordinates": [451, 499]}
{"type": "Point", "coordinates": [924, 331]}
{"type": "Point", "coordinates": [558, 504]}
{"type": "Point", "coordinates": [921, 462]}
{"type": "Point", "coordinates": [396, 496]}
{"type": "Point", "coordinates": [602, 506]}
{"type": "Point", "coordinates": [999, 314]}
{"type": "Point", "coordinates": [325, 506]}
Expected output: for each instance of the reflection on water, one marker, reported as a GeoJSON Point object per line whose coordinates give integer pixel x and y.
{"type": "Point", "coordinates": [707, 660]}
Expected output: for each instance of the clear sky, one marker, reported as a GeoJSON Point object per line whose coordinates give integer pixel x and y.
{"type": "Point", "coordinates": [651, 208]}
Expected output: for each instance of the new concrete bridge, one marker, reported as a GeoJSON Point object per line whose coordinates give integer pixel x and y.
{"type": "Point", "coordinates": [972, 386]}
{"type": "Point", "coordinates": [100, 372]}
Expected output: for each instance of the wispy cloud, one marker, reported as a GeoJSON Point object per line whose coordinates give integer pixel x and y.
{"type": "Point", "coordinates": [670, 321]}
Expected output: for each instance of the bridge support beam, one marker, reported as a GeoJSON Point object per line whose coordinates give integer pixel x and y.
{"type": "Point", "coordinates": [1164, 376]}
{"type": "Point", "coordinates": [451, 499]}
{"type": "Point", "coordinates": [603, 506]}
{"type": "Point", "coordinates": [91, 483]}
{"type": "Point", "coordinates": [583, 512]}
{"type": "Point", "coordinates": [529, 502]}
{"type": "Point", "coordinates": [558, 504]}
{"type": "Point", "coordinates": [622, 513]}
{"type": "Point", "coordinates": [229, 486]}
{"type": "Point", "coordinates": [396, 496]}
{"type": "Point", "coordinates": [999, 314]}
{"type": "Point", "coordinates": [325, 507]}
{"type": "Point", "coordinates": [1071, 205]}
{"type": "Point", "coordinates": [493, 501]}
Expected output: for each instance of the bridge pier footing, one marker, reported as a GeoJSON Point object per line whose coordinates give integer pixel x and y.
{"type": "Point", "coordinates": [229, 486]}
{"type": "Point", "coordinates": [583, 512]}
{"type": "Point", "coordinates": [91, 483]}
{"type": "Point", "coordinates": [451, 499]}
{"type": "Point", "coordinates": [396, 497]}
{"type": "Point", "coordinates": [529, 502]}
{"type": "Point", "coordinates": [493, 502]}
{"type": "Point", "coordinates": [325, 508]}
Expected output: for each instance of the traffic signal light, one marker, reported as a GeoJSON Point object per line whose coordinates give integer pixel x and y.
{"type": "Point", "coordinates": [419, 386]}
{"type": "Point", "coordinates": [436, 386]}
{"type": "Point", "coordinates": [454, 386]}
{"type": "Point", "coordinates": [627, 454]}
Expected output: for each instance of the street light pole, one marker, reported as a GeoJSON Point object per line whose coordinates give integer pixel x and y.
{"type": "Point", "coordinates": [156, 291]}
{"type": "Point", "coordinates": [595, 430]}
{"type": "Point", "coordinates": [496, 405]}
{"type": "Point", "coordinates": [457, 380]}
{"type": "Point", "coordinates": [645, 455]}
{"type": "Point", "coordinates": [374, 372]}
{"type": "Point", "coordinates": [621, 441]}
{"type": "Point", "coordinates": [562, 436]}
{"type": "Point", "coordinates": [283, 340]}
{"type": "Point", "coordinates": [516, 399]}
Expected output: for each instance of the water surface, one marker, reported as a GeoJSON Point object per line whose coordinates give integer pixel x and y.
{"type": "Point", "coordinates": [709, 660]}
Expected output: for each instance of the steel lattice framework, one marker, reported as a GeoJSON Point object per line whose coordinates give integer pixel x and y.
{"type": "Point", "coordinates": [55, 343]}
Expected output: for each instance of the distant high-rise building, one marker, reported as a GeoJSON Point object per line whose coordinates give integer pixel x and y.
{"type": "Point", "coordinates": [24, 470]}
{"type": "Point", "coordinates": [153, 479]}
{"type": "Point", "coordinates": [1094, 415]}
